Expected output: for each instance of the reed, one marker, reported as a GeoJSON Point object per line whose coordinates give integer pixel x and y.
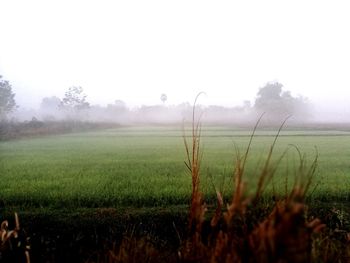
{"type": "Point", "coordinates": [14, 245]}
{"type": "Point", "coordinates": [243, 230]}
{"type": "Point", "coordinates": [285, 235]}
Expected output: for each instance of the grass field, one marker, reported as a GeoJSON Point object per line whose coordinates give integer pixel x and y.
{"type": "Point", "coordinates": [144, 166]}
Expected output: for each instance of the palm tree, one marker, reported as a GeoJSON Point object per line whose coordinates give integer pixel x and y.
{"type": "Point", "coordinates": [163, 98]}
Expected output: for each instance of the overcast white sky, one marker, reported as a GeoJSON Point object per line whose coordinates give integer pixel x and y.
{"type": "Point", "coordinates": [136, 50]}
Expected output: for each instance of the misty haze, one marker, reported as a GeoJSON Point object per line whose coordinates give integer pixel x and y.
{"type": "Point", "coordinates": [186, 131]}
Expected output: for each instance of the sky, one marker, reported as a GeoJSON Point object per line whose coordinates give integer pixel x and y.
{"type": "Point", "coordinates": [137, 50]}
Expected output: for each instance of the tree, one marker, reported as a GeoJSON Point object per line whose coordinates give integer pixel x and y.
{"type": "Point", "coordinates": [50, 108]}
{"type": "Point", "coordinates": [280, 104]}
{"type": "Point", "coordinates": [119, 104]}
{"type": "Point", "coordinates": [75, 98]}
{"type": "Point", "coordinates": [50, 103]}
{"type": "Point", "coordinates": [74, 101]}
{"type": "Point", "coordinates": [163, 98]}
{"type": "Point", "coordinates": [7, 98]}
{"type": "Point", "coordinates": [118, 107]}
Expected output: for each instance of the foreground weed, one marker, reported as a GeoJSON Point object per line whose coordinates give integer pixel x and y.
{"type": "Point", "coordinates": [237, 232]}
{"type": "Point", "coordinates": [14, 245]}
{"type": "Point", "coordinates": [285, 235]}
{"type": "Point", "coordinates": [134, 250]}
{"type": "Point", "coordinates": [193, 164]}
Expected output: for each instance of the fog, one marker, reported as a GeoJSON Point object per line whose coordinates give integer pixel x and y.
{"type": "Point", "coordinates": [52, 109]}
{"type": "Point", "coordinates": [132, 52]}
{"type": "Point", "coordinates": [272, 99]}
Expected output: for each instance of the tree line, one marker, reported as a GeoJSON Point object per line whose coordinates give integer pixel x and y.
{"type": "Point", "coordinates": [271, 99]}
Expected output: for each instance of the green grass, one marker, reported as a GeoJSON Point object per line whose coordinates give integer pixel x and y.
{"type": "Point", "coordinates": [144, 166]}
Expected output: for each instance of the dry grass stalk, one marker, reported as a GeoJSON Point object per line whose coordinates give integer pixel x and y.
{"type": "Point", "coordinates": [12, 246]}
{"type": "Point", "coordinates": [284, 236]}
{"type": "Point", "coordinates": [134, 250]}
{"type": "Point", "coordinates": [198, 207]}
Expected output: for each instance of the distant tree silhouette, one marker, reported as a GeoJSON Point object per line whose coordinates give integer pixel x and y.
{"type": "Point", "coordinates": [50, 108]}
{"type": "Point", "coordinates": [7, 99]}
{"type": "Point", "coordinates": [163, 98]}
{"type": "Point", "coordinates": [50, 103]}
{"type": "Point", "coordinates": [278, 104]}
{"type": "Point", "coordinates": [74, 102]}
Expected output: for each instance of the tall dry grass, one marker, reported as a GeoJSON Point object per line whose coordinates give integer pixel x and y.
{"type": "Point", "coordinates": [14, 245]}
{"type": "Point", "coordinates": [285, 235]}
{"type": "Point", "coordinates": [243, 230]}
